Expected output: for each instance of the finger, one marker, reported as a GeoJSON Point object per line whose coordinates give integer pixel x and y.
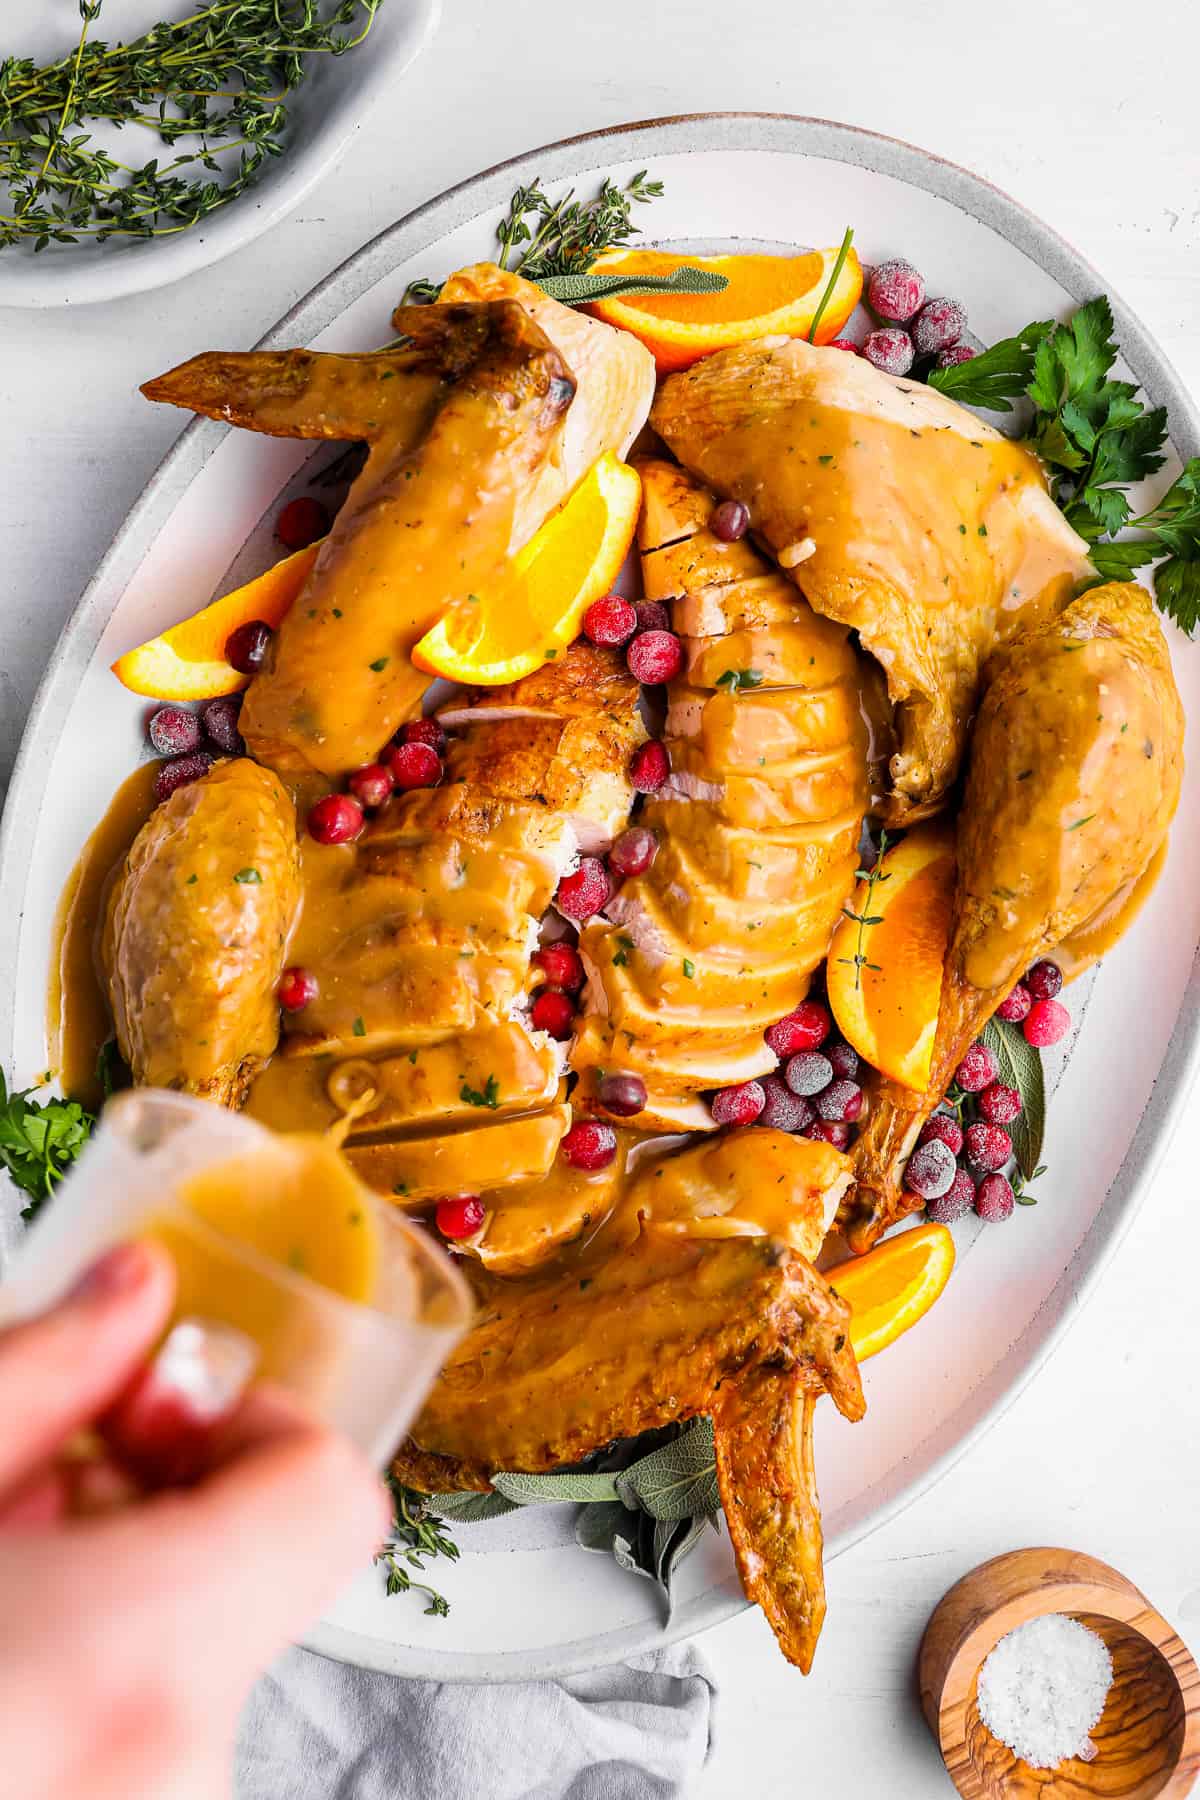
{"type": "Point", "coordinates": [42, 1500]}
{"type": "Point", "coordinates": [58, 1371]}
{"type": "Point", "coordinates": [162, 1428]}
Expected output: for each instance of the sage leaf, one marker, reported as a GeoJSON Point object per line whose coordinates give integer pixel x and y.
{"type": "Point", "coordinates": [571, 1485]}
{"type": "Point", "coordinates": [598, 1526]}
{"type": "Point", "coordinates": [682, 1542]}
{"type": "Point", "coordinates": [582, 290]}
{"type": "Point", "coordinates": [676, 1481]}
{"type": "Point", "coordinates": [471, 1507]}
{"type": "Point", "coordinates": [1021, 1068]}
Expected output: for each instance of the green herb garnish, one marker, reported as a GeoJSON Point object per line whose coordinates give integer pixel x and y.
{"type": "Point", "coordinates": [873, 877]}
{"type": "Point", "coordinates": [490, 1097]}
{"type": "Point", "coordinates": [249, 876]}
{"type": "Point", "coordinates": [39, 1141]}
{"type": "Point", "coordinates": [737, 680]}
{"type": "Point", "coordinates": [417, 1535]}
{"type": "Point", "coordinates": [831, 284]}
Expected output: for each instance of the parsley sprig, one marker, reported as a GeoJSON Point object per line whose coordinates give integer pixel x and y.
{"type": "Point", "coordinates": [39, 1141]}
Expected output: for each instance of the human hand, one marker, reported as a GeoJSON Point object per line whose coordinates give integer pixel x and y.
{"type": "Point", "coordinates": [134, 1629]}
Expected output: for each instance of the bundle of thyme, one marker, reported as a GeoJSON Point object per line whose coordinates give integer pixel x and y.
{"type": "Point", "coordinates": [211, 86]}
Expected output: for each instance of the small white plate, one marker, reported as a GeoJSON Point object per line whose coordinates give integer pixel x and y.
{"type": "Point", "coordinates": [324, 113]}
{"type": "Point", "coordinates": [525, 1601]}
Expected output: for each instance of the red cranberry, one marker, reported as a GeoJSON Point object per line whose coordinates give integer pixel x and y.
{"type": "Point", "coordinates": [956, 1202]}
{"type": "Point", "coordinates": [653, 615]}
{"type": "Point", "coordinates": [957, 353]}
{"type": "Point", "coordinates": [654, 657]}
{"type": "Point", "coordinates": [843, 344]}
{"type": "Point", "coordinates": [994, 1200]}
{"type": "Point", "coordinates": [944, 1130]}
{"type": "Point", "coordinates": [582, 894]}
{"type": "Point", "coordinates": [999, 1105]}
{"type": "Point", "coordinates": [174, 731]}
{"type": "Point", "coordinates": [890, 349]}
{"type": "Point", "coordinates": [730, 521]}
{"type": "Point", "coordinates": [301, 522]}
{"type": "Point", "coordinates": [988, 1147]}
{"type": "Point", "coordinates": [589, 1145]}
{"type": "Point", "coordinates": [562, 966]}
{"type": "Point", "coordinates": [842, 1060]}
{"type": "Point", "coordinates": [179, 771]}
{"type": "Point", "coordinates": [1016, 1006]}
{"type": "Point", "coordinates": [246, 648]}
{"type": "Point", "coordinates": [649, 767]}
{"type": "Point", "coordinates": [371, 785]}
{"type": "Point", "coordinates": [828, 1131]}
{"type": "Point", "coordinates": [938, 326]}
{"type": "Point", "coordinates": [805, 1028]}
{"type": "Point", "coordinates": [783, 1110]}
{"type": "Point", "coordinates": [895, 290]}
{"type": "Point", "coordinates": [977, 1070]}
{"type": "Point", "coordinates": [221, 723]}
{"type": "Point", "coordinates": [840, 1100]}
{"type": "Point", "coordinates": [623, 1095]}
{"type": "Point", "coordinates": [296, 988]}
{"type": "Point", "coordinates": [1044, 980]}
{"type": "Point", "coordinates": [422, 731]}
{"type": "Point", "coordinates": [930, 1170]}
{"type": "Point", "coordinates": [634, 851]}
{"type": "Point", "coordinates": [739, 1105]}
{"type": "Point", "coordinates": [414, 765]}
{"type": "Point", "coordinates": [337, 819]}
{"type": "Point", "coordinates": [610, 621]}
{"type": "Point", "coordinates": [460, 1217]}
{"type": "Point", "coordinates": [552, 1012]}
{"type": "Point", "coordinates": [1048, 1021]}
{"type": "Point", "coordinates": [808, 1073]}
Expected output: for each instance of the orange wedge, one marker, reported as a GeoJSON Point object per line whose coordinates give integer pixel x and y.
{"type": "Point", "coordinates": [885, 961]}
{"type": "Point", "coordinates": [188, 662]}
{"type": "Point", "coordinates": [766, 295]}
{"type": "Point", "coordinates": [893, 1286]}
{"type": "Point", "coordinates": [571, 561]}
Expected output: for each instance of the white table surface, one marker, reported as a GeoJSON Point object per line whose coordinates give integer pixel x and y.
{"type": "Point", "coordinates": [1085, 110]}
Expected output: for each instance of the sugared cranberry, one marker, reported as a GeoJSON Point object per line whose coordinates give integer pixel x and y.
{"type": "Point", "coordinates": [842, 1060]}
{"type": "Point", "coordinates": [828, 1131]}
{"type": "Point", "coordinates": [301, 522]}
{"type": "Point", "coordinates": [1044, 980]}
{"type": "Point", "coordinates": [653, 615]}
{"type": "Point", "coordinates": [1048, 1021]}
{"type": "Point", "coordinates": [562, 966]}
{"type": "Point", "coordinates": [610, 621]}
{"type": "Point", "coordinates": [843, 344]}
{"type": "Point", "coordinates": [999, 1105]}
{"type": "Point", "coordinates": [459, 1217]}
{"type": "Point", "coordinates": [808, 1072]}
{"type": "Point", "coordinates": [173, 731]}
{"type": "Point", "coordinates": [783, 1110]}
{"type": "Point", "coordinates": [371, 785]}
{"type": "Point", "coordinates": [634, 850]}
{"type": "Point", "coordinates": [956, 1202]}
{"type": "Point", "coordinates": [942, 1129]}
{"type": "Point", "coordinates": [938, 326]}
{"type": "Point", "coordinates": [414, 765]}
{"type": "Point", "coordinates": [246, 648]}
{"type": "Point", "coordinates": [890, 349]}
{"type": "Point", "coordinates": [841, 1100]}
{"type": "Point", "coordinates": [994, 1199]}
{"type": "Point", "coordinates": [589, 1145]}
{"type": "Point", "coordinates": [977, 1070]}
{"type": "Point", "coordinates": [930, 1170]}
{"type": "Point", "coordinates": [988, 1147]}
{"type": "Point", "coordinates": [422, 731]}
{"type": "Point", "coordinates": [552, 1012]}
{"type": "Point", "coordinates": [895, 290]}
{"type": "Point", "coordinates": [1016, 1005]}
{"type": "Point", "coordinates": [623, 1095]}
{"type": "Point", "coordinates": [957, 353]}
{"type": "Point", "coordinates": [296, 988]}
{"type": "Point", "coordinates": [337, 819]}
{"type": "Point", "coordinates": [585, 891]}
{"type": "Point", "coordinates": [730, 521]}
{"type": "Point", "coordinates": [179, 771]}
{"type": "Point", "coordinates": [805, 1028]}
{"type": "Point", "coordinates": [649, 767]}
{"type": "Point", "coordinates": [739, 1105]}
{"type": "Point", "coordinates": [654, 657]}
{"type": "Point", "coordinates": [221, 723]}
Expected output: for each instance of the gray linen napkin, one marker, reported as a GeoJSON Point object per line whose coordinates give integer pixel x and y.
{"type": "Point", "coordinates": [317, 1730]}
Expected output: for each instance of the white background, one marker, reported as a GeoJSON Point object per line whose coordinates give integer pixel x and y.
{"type": "Point", "coordinates": [1086, 111]}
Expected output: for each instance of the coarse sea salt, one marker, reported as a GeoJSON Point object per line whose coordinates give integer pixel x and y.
{"type": "Point", "coordinates": [1043, 1688]}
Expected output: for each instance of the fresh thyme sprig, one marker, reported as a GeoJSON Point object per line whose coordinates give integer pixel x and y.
{"type": "Point", "coordinates": [873, 878]}
{"type": "Point", "coordinates": [830, 285]}
{"type": "Point", "coordinates": [213, 83]}
{"type": "Point", "coordinates": [418, 1534]}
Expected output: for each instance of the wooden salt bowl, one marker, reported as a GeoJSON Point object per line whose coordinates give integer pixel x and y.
{"type": "Point", "coordinates": [1148, 1736]}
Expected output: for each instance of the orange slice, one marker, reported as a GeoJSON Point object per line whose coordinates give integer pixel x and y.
{"type": "Point", "coordinates": [571, 561]}
{"type": "Point", "coordinates": [766, 295]}
{"type": "Point", "coordinates": [188, 662]}
{"type": "Point", "coordinates": [886, 1004]}
{"type": "Point", "coordinates": [893, 1286]}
